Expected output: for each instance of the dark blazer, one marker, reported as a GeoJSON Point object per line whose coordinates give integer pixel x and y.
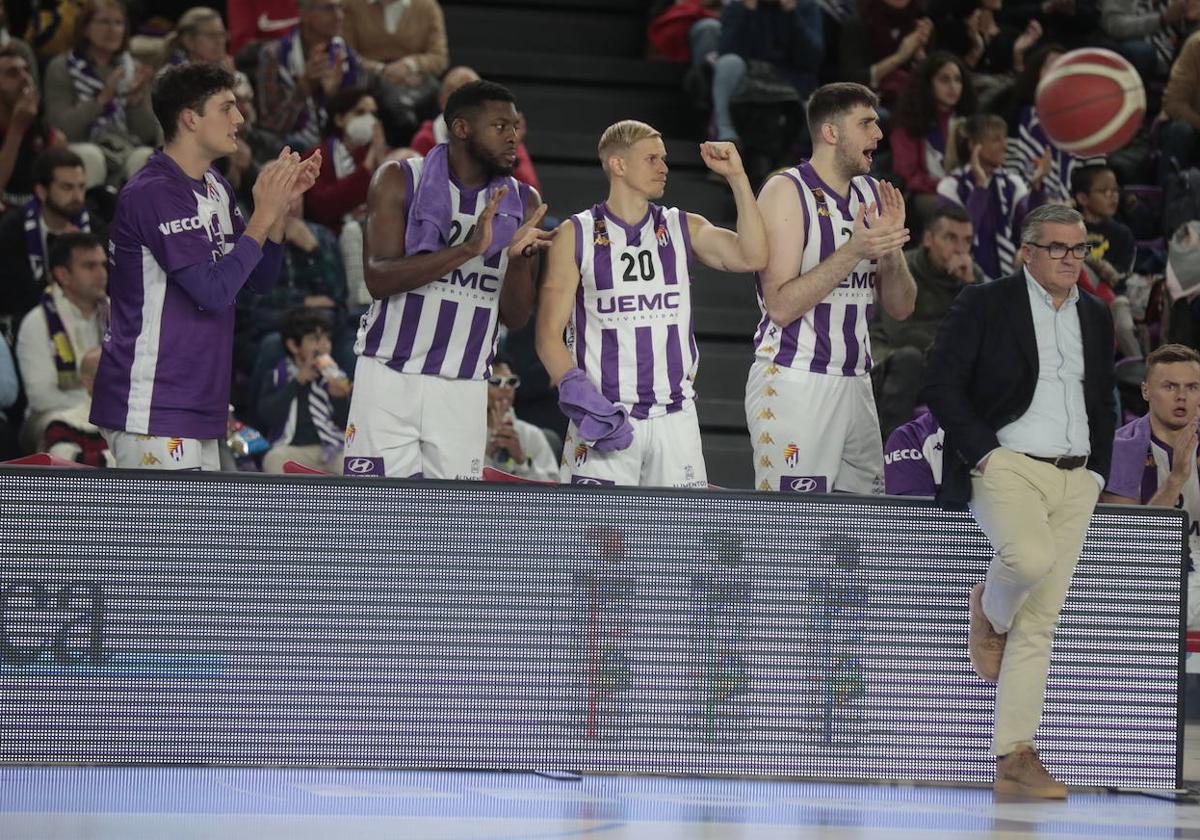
{"type": "Point", "coordinates": [983, 369]}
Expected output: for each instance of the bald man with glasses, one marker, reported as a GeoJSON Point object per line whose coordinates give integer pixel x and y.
{"type": "Point", "coordinates": [1021, 378]}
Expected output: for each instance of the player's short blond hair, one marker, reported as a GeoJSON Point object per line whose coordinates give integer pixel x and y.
{"type": "Point", "coordinates": [620, 137]}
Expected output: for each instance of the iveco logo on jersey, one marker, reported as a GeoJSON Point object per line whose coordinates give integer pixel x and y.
{"type": "Point", "coordinates": [180, 225]}
{"type": "Point", "coordinates": [802, 483]}
{"type": "Point", "coordinates": [637, 303]}
{"type": "Point", "coordinates": [903, 455]}
{"type": "Point", "coordinates": [474, 280]}
{"type": "Point", "coordinates": [865, 280]}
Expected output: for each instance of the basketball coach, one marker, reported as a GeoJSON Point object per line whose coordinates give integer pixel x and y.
{"type": "Point", "coordinates": [1021, 378]}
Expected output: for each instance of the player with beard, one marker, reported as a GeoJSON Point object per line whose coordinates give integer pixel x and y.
{"type": "Point", "coordinates": [451, 247]}
{"type": "Point", "coordinates": [835, 237]}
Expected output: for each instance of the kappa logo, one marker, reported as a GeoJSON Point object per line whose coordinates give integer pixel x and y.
{"type": "Point", "coordinates": [765, 463]}
{"type": "Point", "coordinates": [350, 432]}
{"type": "Point", "coordinates": [581, 453]}
{"type": "Point", "coordinates": [766, 414]}
{"type": "Point", "coordinates": [772, 370]}
{"type": "Point", "coordinates": [803, 483]}
{"type": "Point", "coordinates": [149, 459]}
{"type": "Point", "coordinates": [770, 392]}
{"type": "Point", "coordinates": [768, 348]}
{"type": "Point", "coordinates": [175, 448]}
{"type": "Point", "coordinates": [766, 438]}
{"type": "Point", "coordinates": [362, 466]}
{"type": "Point", "coordinates": [791, 454]}
{"type": "Point", "coordinates": [762, 485]}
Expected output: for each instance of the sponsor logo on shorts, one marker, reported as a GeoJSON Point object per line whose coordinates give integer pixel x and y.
{"type": "Point", "coordinates": [149, 459]}
{"type": "Point", "coordinates": [362, 466]}
{"type": "Point", "coordinates": [350, 431]}
{"type": "Point", "coordinates": [791, 454]}
{"type": "Point", "coordinates": [803, 483]}
{"type": "Point", "coordinates": [175, 448]}
{"type": "Point", "coordinates": [586, 479]}
{"type": "Point", "coordinates": [581, 453]}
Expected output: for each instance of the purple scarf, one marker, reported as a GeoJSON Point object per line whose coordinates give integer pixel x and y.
{"type": "Point", "coordinates": [33, 236]}
{"type": "Point", "coordinates": [429, 219]}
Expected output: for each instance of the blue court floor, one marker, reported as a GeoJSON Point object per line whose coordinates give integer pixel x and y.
{"type": "Point", "coordinates": [181, 804]}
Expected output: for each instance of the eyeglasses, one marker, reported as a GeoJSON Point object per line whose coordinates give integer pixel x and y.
{"type": "Point", "coordinates": [513, 382]}
{"type": "Point", "coordinates": [1058, 250]}
{"type": "Point", "coordinates": [115, 23]}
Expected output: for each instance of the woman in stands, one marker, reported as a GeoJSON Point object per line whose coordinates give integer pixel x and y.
{"type": "Point", "coordinates": [939, 94]}
{"type": "Point", "coordinates": [200, 36]}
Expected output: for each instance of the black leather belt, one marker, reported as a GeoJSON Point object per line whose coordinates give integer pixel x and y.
{"type": "Point", "coordinates": [1063, 462]}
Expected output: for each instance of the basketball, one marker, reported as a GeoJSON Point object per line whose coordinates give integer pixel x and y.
{"type": "Point", "coordinates": [1091, 102]}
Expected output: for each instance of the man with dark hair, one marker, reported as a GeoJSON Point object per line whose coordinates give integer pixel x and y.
{"type": "Point", "coordinates": [1021, 379]}
{"type": "Point", "coordinates": [68, 322]}
{"type": "Point", "coordinates": [941, 266]}
{"type": "Point", "coordinates": [57, 207]}
{"type": "Point", "coordinates": [450, 248]}
{"type": "Point", "coordinates": [835, 237]}
{"type": "Point", "coordinates": [1097, 196]}
{"type": "Point", "coordinates": [26, 134]}
{"type": "Point", "coordinates": [180, 252]}
{"type": "Point", "coordinates": [305, 402]}
{"type": "Point", "coordinates": [1154, 457]}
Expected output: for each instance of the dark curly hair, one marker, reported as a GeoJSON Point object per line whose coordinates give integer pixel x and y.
{"type": "Point", "coordinates": [917, 110]}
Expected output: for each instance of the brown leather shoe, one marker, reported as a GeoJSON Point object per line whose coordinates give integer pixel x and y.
{"type": "Point", "coordinates": [1021, 773]}
{"type": "Point", "coordinates": [984, 645]}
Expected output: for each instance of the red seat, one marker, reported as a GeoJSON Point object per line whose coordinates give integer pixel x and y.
{"type": "Point", "coordinates": [42, 459]}
{"type": "Point", "coordinates": [296, 468]}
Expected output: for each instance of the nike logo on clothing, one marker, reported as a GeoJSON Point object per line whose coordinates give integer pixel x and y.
{"type": "Point", "coordinates": [265, 24]}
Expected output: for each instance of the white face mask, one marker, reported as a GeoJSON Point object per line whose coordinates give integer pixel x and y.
{"type": "Point", "coordinates": [360, 130]}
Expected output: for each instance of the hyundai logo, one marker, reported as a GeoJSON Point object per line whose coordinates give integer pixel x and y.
{"type": "Point", "coordinates": [588, 481]}
{"type": "Point", "coordinates": [804, 485]}
{"type": "Point", "coordinates": [359, 466]}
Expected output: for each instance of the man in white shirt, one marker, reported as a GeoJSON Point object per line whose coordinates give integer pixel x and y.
{"type": "Point", "coordinates": [55, 335]}
{"type": "Point", "coordinates": [1021, 378]}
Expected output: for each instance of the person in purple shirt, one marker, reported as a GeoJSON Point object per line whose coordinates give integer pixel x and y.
{"type": "Point", "coordinates": [912, 459]}
{"type": "Point", "coordinates": [179, 253]}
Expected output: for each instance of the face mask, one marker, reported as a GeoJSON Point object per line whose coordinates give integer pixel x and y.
{"type": "Point", "coordinates": [360, 130]}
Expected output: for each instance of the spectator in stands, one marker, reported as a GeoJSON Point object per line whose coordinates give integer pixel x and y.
{"type": "Point", "coordinates": [988, 45]}
{"type": "Point", "coordinates": [304, 404]}
{"type": "Point", "coordinates": [251, 21]}
{"type": "Point", "coordinates": [434, 131]}
{"type": "Point", "coordinates": [352, 147]}
{"type": "Point", "coordinates": [786, 35]}
{"type": "Point", "coordinates": [70, 434]}
{"type": "Point", "coordinates": [26, 235]}
{"type": "Point", "coordinates": [1097, 196]}
{"type": "Point", "coordinates": [1149, 32]}
{"type": "Point", "coordinates": [996, 199]}
{"type": "Point", "coordinates": [298, 73]}
{"type": "Point", "coordinates": [19, 46]}
{"type": "Point", "coordinates": [10, 390]}
{"type": "Point", "coordinates": [941, 267]}
{"type": "Point", "coordinates": [25, 134]}
{"type": "Point", "coordinates": [912, 458]}
{"type": "Point", "coordinates": [404, 46]}
{"type": "Point", "coordinates": [897, 33]}
{"type": "Point", "coordinates": [1028, 141]}
{"type": "Point", "coordinates": [939, 94]}
{"type": "Point", "coordinates": [1154, 457]}
{"type": "Point", "coordinates": [513, 445]}
{"type": "Point", "coordinates": [200, 36]}
{"type": "Point", "coordinates": [98, 93]}
{"type": "Point", "coordinates": [1181, 107]}
{"type": "Point", "coordinates": [54, 337]}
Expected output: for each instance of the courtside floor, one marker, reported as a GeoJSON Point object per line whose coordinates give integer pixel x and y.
{"type": "Point", "coordinates": [278, 804]}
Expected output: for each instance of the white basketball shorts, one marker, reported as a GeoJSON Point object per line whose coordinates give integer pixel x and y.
{"type": "Point", "coordinates": [665, 452]}
{"type": "Point", "coordinates": [147, 452]}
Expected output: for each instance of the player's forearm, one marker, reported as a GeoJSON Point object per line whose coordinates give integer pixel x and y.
{"type": "Point", "coordinates": [392, 276]}
{"type": "Point", "coordinates": [1168, 494]}
{"type": "Point", "coordinates": [898, 290]}
{"type": "Point", "coordinates": [752, 252]}
{"type": "Point", "coordinates": [518, 293]}
{"type": "Point", "coordinates": [553, 351]}
{"type": "Point", "coordinates": [797, 296]}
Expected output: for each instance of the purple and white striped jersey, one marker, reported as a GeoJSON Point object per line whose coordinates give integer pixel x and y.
{"type": "Point", "coordinates": [996, 213]}
{"type": "Point", "coordinates": [446, 328]}
{"type": "Point", "coordinates": [832, 336]}
{"type": "Point", "coordinates": [631, 329]}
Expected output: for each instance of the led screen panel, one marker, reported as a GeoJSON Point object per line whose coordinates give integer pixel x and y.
{"type": "Point", "coordinates": [245, 620]}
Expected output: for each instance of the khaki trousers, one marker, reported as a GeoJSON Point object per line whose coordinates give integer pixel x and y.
{"type": "Point", "coordinates": [1036, 516]}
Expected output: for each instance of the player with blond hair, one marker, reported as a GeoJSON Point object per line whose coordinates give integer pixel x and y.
{"type": "Point", "coordinates": [614, 326]}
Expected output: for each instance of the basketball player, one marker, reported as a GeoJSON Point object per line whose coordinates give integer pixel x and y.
{"type": "Point", "coordinates": [451, 246]}
{"type": "Point", "coordinates": [179, 253]}
{"type": "Point", "coordinates": [617, 285]}
{"type": "Point", "coordinates": [835, 236]}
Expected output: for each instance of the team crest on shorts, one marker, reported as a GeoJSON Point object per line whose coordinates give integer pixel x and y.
{"type": "Point", "coordinates": [791, 454]}
{"type": "Point", "coordinates": [581, 453]}
{"type": "Point", "coordinates": [175, 448]}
